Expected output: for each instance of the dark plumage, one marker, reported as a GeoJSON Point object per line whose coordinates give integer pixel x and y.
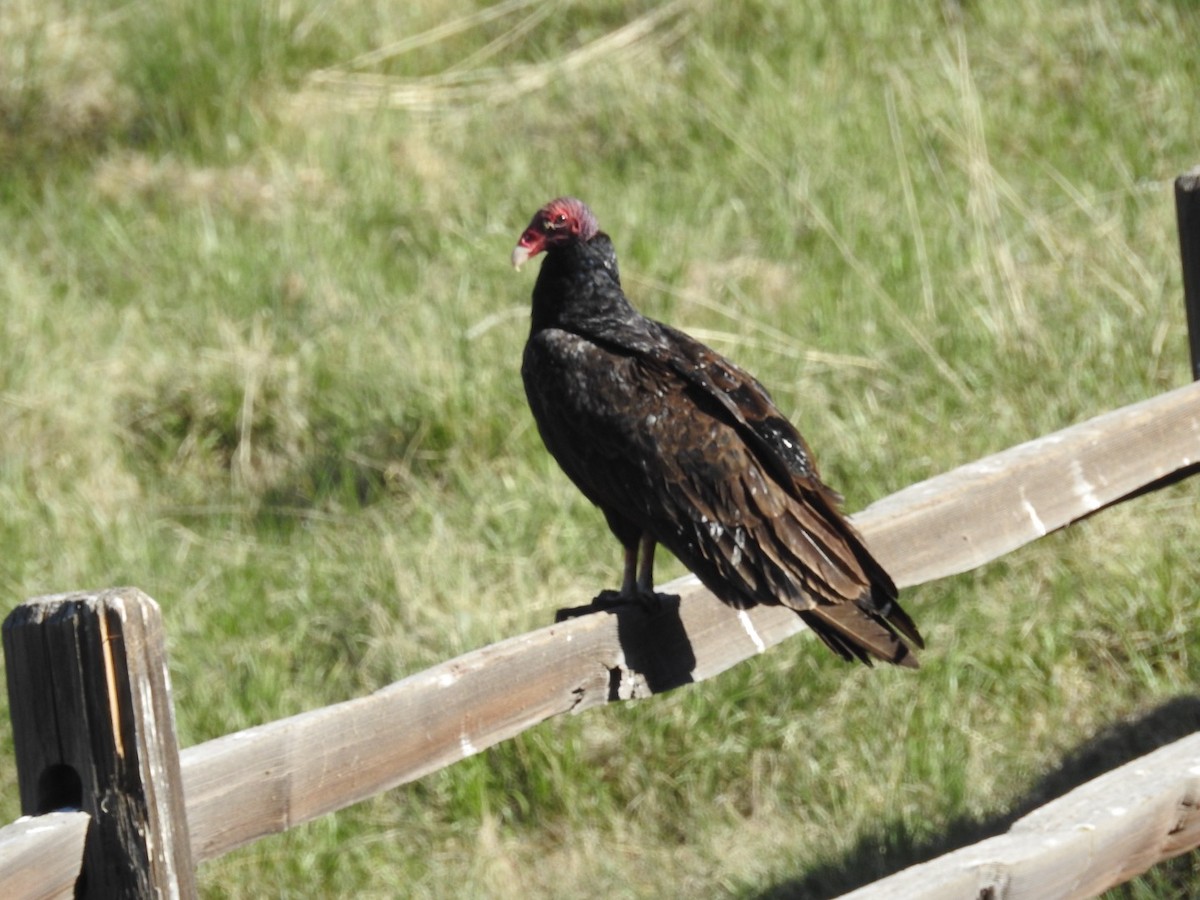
{"type": "Point", "coordinates": [680, 447]}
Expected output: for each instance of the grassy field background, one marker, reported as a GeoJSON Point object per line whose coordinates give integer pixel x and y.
{"type": "Point", "coordinates": [259, 357]}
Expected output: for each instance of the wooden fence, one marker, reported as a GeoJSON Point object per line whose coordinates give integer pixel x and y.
{"type": "Point", "coordinates": [114, 808]}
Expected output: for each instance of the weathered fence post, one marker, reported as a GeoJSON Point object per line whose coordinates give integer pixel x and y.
{"type": "Point", "coordinates": [94, 729]}
{"type": "Point", "coordinates": [1187, 212]}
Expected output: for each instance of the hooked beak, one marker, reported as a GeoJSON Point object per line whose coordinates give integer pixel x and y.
{"type": "Point", "coordinates": [532, 243]}
{"type": "Point", "coordinates": [520, 256]}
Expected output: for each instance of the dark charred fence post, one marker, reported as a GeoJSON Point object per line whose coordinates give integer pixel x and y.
{"type": "Point", "coordinates": [1187, 211]}
{"type": "Point", "coordinates": [94, 729]}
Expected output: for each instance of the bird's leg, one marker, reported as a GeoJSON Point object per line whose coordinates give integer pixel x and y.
{"type": "Point", "coordinates": [645, 576]}
{"type": "Point", "coordinates": [631, 583]}
{"type": "Point", "coordinates": [645, 573]}
{"type": "Point", "coordinates": [637, 582]}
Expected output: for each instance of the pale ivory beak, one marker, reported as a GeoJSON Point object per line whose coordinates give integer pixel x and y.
{"type": "Point", "coordinates": [520, 256]}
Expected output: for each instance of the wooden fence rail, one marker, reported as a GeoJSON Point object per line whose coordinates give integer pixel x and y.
{"type": "Point", "coordinates": [93, 723]}
{"type": "Point", "coordinates": [41, 856]}
{"type": "Point", "coordinates": [269, 778]}
{"type": "Point", "coordinates": [298, 768]}
{"type": "Point", "coordinates": [1097, 836]}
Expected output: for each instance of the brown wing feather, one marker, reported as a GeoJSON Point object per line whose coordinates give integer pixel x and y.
{"type": "Point", "coordinates": [765, 528]}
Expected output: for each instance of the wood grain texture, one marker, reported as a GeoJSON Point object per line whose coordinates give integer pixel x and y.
{"type": "Point", "coordinates": [1096, 837]}
{"type": "Point", "coordinates": [40, 856]}
{"type": "Point", "coordinates": [269, 778]}
{"type": "Point", "coordinates": [985, 509]}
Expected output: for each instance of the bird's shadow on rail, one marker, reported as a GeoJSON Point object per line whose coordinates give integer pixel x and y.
{"type": "Point", "coordinates": [892, 848]}
{"type": "Point", "coordinates": [654, 641]}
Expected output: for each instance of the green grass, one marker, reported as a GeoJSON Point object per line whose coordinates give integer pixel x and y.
{"type": "Point", "coordinates": [259, 357]}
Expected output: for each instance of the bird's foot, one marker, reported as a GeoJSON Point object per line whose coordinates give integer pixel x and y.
{"type": "Point", "coordinates": [648, 600]}
{"type": "Point", "coordinates": [609, 599]}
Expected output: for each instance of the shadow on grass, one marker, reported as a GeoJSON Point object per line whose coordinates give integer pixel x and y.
{"type": "Point", "coordinates": [893, 848]}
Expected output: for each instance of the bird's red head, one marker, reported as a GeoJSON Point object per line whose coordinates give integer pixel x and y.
{"type": "Point", "coordinates": [559, 222]}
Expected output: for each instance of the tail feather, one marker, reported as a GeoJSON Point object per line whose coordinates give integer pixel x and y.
{"type": "Point", "coordinates": [895, 617]}
{"type": "Point", "coordinates": [855, 634]}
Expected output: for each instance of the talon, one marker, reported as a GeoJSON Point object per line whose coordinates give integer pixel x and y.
{"type": "Point", "coordinates": [610, 598]}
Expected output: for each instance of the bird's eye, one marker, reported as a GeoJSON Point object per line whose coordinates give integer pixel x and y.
{"type": "Point", "coordinates": [557, 222]}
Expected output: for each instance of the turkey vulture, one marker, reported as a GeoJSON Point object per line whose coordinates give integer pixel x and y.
{"type": "Point", "coordinates": [680, 447]}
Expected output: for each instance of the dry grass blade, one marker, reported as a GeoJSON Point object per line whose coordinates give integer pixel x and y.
{"type": "Point", "coordinates": [910, 198]}
{"type": "Point", "coordinates": [462, 86]}
{"type": "Point", "coordinates": [918, 337]}
{"type": "Point", "coordinates": [511, 37]}
{"type": "Point", "coordinates": [822, 221]}
{"type": "Point", "coordinates": [741, 342]}
{"type": "Point", "coordinates": [435, 35]}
